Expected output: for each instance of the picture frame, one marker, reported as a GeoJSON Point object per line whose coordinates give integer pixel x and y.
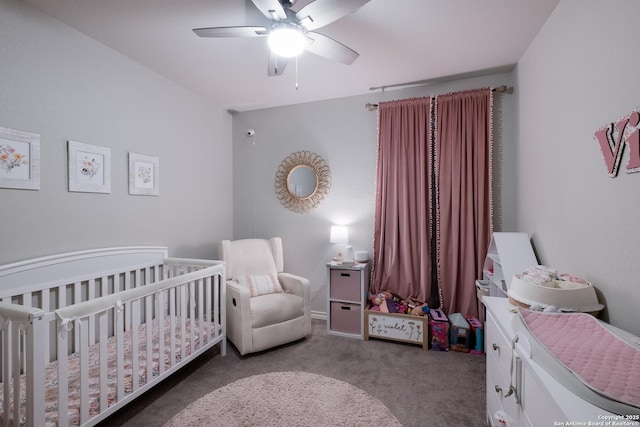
{"type": "Point", "coordinates": [89, 168]}
{"type": "Point", "coordinates": [144, 175]}
{"type": "Point", "coordinates": [19, 159]}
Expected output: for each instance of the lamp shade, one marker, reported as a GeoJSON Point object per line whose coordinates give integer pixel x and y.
{"type": "Point", "coordinates": [339, 234]}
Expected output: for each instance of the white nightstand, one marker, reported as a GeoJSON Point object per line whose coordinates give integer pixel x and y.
{"type": "Point", "coordinates": [347, 299]}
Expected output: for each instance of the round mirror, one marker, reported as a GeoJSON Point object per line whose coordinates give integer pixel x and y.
{"type": "Point", "coordinates": [303, 180]}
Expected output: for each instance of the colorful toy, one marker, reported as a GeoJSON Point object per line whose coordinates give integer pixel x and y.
{"type": "Point", "coordinates": [380, 297]}
{"type": "Point", "coordinates": [477, 334]}
{"type": "Point", "coordinates": [391, 306]}
{"type": "Point", "coordinates": [439, 330]}
{"type": "Point", "coordinates": [420, 310]}
{"type": "Point", "coordinates": [460, 335]}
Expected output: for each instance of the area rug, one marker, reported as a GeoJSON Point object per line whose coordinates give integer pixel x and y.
{"type": "Point", "coordinates": [286, 398]}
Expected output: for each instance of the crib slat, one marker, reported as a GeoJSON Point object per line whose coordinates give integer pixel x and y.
{"type": "Point", "coordinates": [62, 296]}
{"type": "Point", "coordinates": [221, 304]}
{"type": "Point", "coordinates": [192, 316]}
{"type": "Point", "coordinates": [104, 286]}
{"type": "Point", "coordinates": [27, 301]}
{"type": "Point", "coordinates": [135, 372]}
{"type": "Point", "coordinates": [127, 306]}
{"type": "Point", "coordinates": [120, 352]}
{"type": "Point", "coordinates": [15, 356]}
{"type": "Point", "coordinates": [91, 295]}
{"type": "Point", "coordinates": [46, 306]}
{"type": "Point", "coordinates": [44, 294]}
{"type": "Point", "coordinates": [207, 301]}
{"type": "Point", "coordinates": [77, 298]}
{"type": "Point", "coordinates": [83, 327]}
{"type": "Point", "coordinates": [183, 316]}
{"type": "Point", "coordinates": [6, 372]}
{"type": "Point", "coordinates": [172, 325]}
{"type": "Point", "coordinates": [161, 332]}
{"type": "Point", "coordinates": [149, 322]}
{"type": "Point", "coordinates": [217, 315]}
{"type": "Point", "coordinates": [200, 302]}
{"type": "Point", "coordinates": [104, 380]}
{"type": "Point", "coordinates": [158, 272]}
{"type": "Point", "coordinates": [116, 283]}
{"type": "Point", "coordinates": [35, 336]}
{"type": "Point", "coordinates": [62, 302]}
{"type": "Point", "coordinates": [63, 377]}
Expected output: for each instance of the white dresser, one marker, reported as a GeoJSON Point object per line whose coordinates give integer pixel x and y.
{"type": "Point", "coordinates": [538, 400]}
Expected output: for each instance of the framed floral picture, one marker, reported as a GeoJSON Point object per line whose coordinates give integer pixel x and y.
{"type": "Point", "coordinates": [19, 159]}
{"type": "Point", "coordinates": [89, 168]}
{"type": "Point", "coordinates": [144, 175]}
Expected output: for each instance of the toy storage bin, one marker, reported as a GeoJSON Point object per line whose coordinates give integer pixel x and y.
{"type": "Point", "coordinates": [399, 327]}
{"type": "Point", "coordinates": [345, 317]}
{"type": "Point", "coordinates": [345, 285]}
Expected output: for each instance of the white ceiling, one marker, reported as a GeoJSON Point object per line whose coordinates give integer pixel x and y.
{"type": "Point", "coordinates": [398, 40]}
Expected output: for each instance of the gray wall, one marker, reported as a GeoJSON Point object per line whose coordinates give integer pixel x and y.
{"type": "Point", "coordinates": [344, 133]}
{"type": "Point", "coordinates": [580, 74]}
{"type": "Point", "coordinates": [64, 86]}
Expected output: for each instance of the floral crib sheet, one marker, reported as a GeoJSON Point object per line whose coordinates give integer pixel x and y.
{"type": "Point", "coordinates": [51, 376]}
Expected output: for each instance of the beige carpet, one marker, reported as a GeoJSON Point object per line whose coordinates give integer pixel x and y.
{"type": "Point", "coordinates": [286, 398]}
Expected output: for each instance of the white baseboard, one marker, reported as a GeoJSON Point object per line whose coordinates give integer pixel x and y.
{"type": "Point", "coordinates": [320, 315]}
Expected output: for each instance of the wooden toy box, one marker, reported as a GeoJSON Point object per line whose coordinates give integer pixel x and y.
{"type": "Point", "coordinates": [397, 327]}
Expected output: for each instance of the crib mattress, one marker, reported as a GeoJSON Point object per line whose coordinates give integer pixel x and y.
{"type": "Point", "coordinates": [592, 360]}
{"type": "Point", "coordinates": [51, 384]}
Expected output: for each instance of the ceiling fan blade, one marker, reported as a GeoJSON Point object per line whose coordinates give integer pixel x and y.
{"type": "Point", "coordinates": [324, 46]}
{"type": "Point", "coordinates": [231, 32]}
{"type": "Point", "coordinates": [276, 64]}
{"type": "Point", "coordinates": [322, 12]}
{"type": "Point", "coordinates": [272, 9]}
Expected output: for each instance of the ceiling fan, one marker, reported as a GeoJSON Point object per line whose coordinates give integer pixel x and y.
{"type": "Point", "coordinates": [290, 32]}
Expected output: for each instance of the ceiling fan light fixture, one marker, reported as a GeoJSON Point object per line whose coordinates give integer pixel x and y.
{"type": "Point", "coordinates": [287, 42]}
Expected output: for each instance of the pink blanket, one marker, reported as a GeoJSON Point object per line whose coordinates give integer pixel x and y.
{"type": "Point", "coordinates": [600, 359]}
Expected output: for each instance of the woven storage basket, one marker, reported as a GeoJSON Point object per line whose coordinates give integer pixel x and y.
{"type": "Point", "coordinates": [570, 296]}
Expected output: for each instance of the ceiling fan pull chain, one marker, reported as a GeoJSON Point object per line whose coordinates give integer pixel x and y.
{"type": "Point", "coordinates": [296, 73]}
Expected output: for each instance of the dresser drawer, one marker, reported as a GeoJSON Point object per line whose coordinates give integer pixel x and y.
{"type": "Point", "coordinates": [345, 285]}
{"type": "Point", "coordinates": [540, 406]}
{"type": "Point", "coordinates": [498, 348]}
{"type": "Point", "coordinates": [498, 400]}
{"type": "Point", "coordinates": [493, 403]}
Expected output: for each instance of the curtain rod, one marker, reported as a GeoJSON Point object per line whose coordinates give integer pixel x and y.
{"type": "Point", "coordinates": [500, 89]}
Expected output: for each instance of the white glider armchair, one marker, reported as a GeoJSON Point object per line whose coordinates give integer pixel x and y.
{"type": "Point", "coordinates": [265, 306]}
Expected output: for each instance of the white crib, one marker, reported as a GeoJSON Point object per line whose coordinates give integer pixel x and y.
{"type": "Point", "coordinates": [90, 331]}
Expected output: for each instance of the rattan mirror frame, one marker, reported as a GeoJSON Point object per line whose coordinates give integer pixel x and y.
{"type": "Point", "coordinates": [323, 177]}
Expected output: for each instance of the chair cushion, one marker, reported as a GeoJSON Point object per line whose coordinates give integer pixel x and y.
{"type": "Point", "coordinates": [275, 308]}
{"type": "Point", "coordinates": [260, 284]}
{"type": "Point", "coordinates": [248, 257]}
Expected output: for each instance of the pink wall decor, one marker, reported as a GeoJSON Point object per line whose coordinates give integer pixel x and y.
{"type": "Point", "coordinates": [613, 138]}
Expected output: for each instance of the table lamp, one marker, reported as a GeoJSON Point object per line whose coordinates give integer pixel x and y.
{"type": "Point", "coordinates": [339, 235]}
